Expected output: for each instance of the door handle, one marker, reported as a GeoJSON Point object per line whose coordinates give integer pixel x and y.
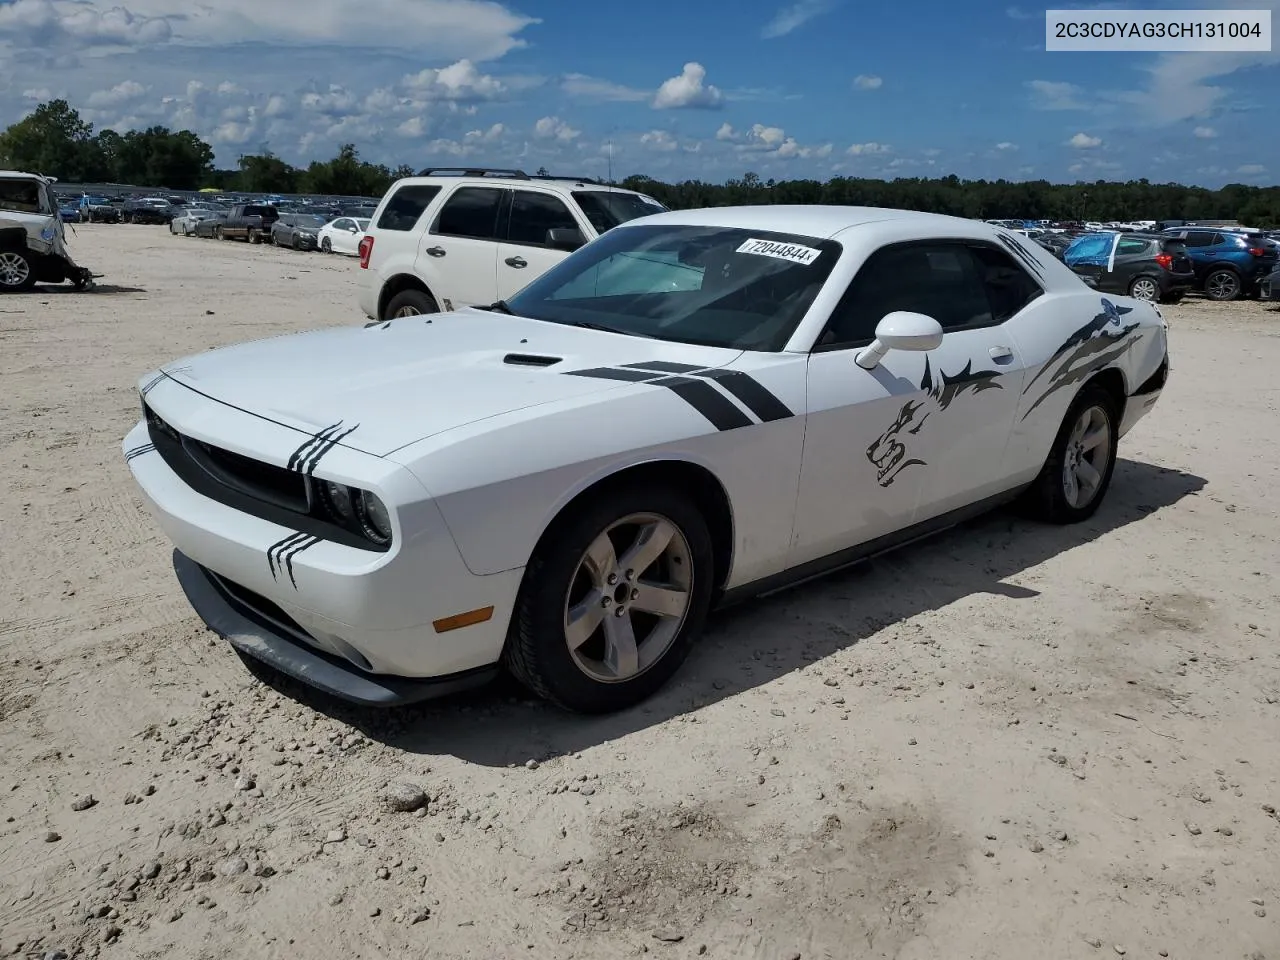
{"type": "Point", "coordinates": [516, 262]}
{"type": "Point", "coordinates": [1001, 354]}
{"type": "Point", "coordinates": [435, 251]}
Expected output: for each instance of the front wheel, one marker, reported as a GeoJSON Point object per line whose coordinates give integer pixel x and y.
{"type": "Point", "coordinates": [1075, 478]}
{"type": "Point", "coordinates": [1222, 285]}
{"type": "Point", "coordinates": [218, 234]}
{"type": "Point", "coordinates": [1144, 288]}
{"type": "Point", "coordinates": [16, 273]}
{"type": "Point", "coordinates": [612, 600]}
{"type": "Point", "coordinates": [410, 303]}
{"type": "Point", "coordinates": [326, 246]}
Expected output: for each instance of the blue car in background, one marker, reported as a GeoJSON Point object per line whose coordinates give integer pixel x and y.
{"type": "Point", "coordinates": [1227, 264]}
{"type": "Point", "coordinates": [69, 212]}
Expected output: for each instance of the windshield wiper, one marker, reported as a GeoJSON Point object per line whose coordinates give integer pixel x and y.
{"type": "Point", "coordinates": [605, 328]}
{"type": "Point", "coordinates": [500, 306]}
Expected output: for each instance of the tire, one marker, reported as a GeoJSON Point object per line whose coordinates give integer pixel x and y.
{"type": "Point", "coordinates": [1048, 498]}
{"type": "Point", "coordinates": [17, 272]}
{"type": "Point", "coordinates": [218, 234]}
{"type": "Point", "coordinates": [297, 243]}
{"type": "Point", "coordinates": [326, 246]}
{"type": "Point", "coordinates": [1223, 285]}
{"type": "Point", "coordinates": [561, 578]}
{"type": "Point", "coordinates": [252, 236]}
{"type": "Point", "coordinates": [410, 303]}
{"type": "Point", "coordinates": [1144, 288]}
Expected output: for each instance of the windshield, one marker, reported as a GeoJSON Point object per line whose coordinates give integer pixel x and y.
{"type": "Point", "coordinates": [718, 286]}
{"type": "Point", "coordinates": [310, 220]}
{"type": "Point", "coordinates": [606, 209]}
{"type": "Point", "coordinates": [24, 196]}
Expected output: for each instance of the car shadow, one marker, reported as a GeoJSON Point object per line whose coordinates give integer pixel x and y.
{"type": "Point", "coordinates": [502, 724]}
{"type": "Point", "coordinates": [66, 288]}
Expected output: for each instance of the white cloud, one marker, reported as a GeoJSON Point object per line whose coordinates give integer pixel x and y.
{"type": "Point", "coordinates": [659, 140]}
{"type": "Point", "coordinates": [1082, 141]}
{"type": "Point", "coordinates": [688, 90]}
{"type": "Point", "coordinates": [794, 16]}
{"type": "Point", "coordinates": [491, 135]}
{"type": "Point", "coordinates": [1051, 95]}
{"type": "Point", "coordinates": [413, 127]}
{"type": "Point", "coordinates": [1251, 169]}
{"type": "Point", "coordinates": [865, 149]}
{"type": "Point", "coordinates": [768, 137]}
{"type": "Point", "coordinates": [1205, 133]}
{"type": "Point", "coordinates": [38, 94]}
{"type": "Point", "coordinates": [593, 88]}
{"type": "Point", "coordinates": [477, 29]}
{"type": "Point", "coordinates": [553, 128]}
{"type": "Point", "coordinates": [1005, 146]}
{"type": "Point", "coordinates": [458, 82]}
{"type": "Point", "coordinates": [726, 132]}
{"type": "Point", "coordinates": [867, 82]}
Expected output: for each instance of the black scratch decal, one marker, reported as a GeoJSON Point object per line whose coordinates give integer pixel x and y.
{"type": "Point", "coordinates": [275, 551]}
{"type": "Point", "coordinates": [888, 454]}
{"type": "Point", "coordinates": [1021, 253]}
{"type": "Point", "coordinates": [151, 384]}
{"type": "Point", "coordinates": [328, 444]}
{"type": "Point", "coordinates": [316, 439]}
{"type": "Point", "coordinates": [293, 551]}
{"type": "Point", "coordinates": [1098, 343]}
{"type": "Point", "coordinates": [138, 451]}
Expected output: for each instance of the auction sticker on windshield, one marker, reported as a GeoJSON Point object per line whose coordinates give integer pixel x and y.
{"type": "Point", "coordinates": [782, 251]}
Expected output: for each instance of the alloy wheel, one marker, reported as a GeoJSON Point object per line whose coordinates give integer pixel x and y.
{"type": "Point", "coordinates": [14, 269]}
{"type": "Point", "coordinates": [1222, 285]}
{"type": "Point", "coordinates": [1085, 461]}
{"type": "Point", "coordinates": [1144, 288]}
{"type": "Point", "coordinates": [408, 310]}
{"type": "Point", "coordinates": [628, 598]}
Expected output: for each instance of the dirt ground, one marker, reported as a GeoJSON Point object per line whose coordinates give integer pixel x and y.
{"type": "Point", "coordinates": [1011, 741]}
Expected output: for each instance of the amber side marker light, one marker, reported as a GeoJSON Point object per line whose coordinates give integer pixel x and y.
{"type": "Point", "coordinates": [462, 619]}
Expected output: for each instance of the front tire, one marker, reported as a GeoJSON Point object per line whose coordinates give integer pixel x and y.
{"type": "Point", "coordinates": [612, 600]}
{"type": "Point", "coordinates": [16, 271]}
{"type": "Point", "coordinates": [1223, 285]}
{"type": "Point", "coordinates": [410, 303]}
{"type": "Point", "coordinates": [326, 246]}
{"type": "Point", "coordinates": [1075, 478]}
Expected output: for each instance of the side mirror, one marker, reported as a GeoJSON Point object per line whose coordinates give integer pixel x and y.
{"type": "Point", "coordinates": [565, 238]}
{"type": "Point", "coordinates": [901, 331]}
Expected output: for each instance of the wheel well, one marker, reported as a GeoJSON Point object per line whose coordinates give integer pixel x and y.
{"type": "Point", "coordinates": [689, 478]}
{"type": "Point", "coordinates": [398, 284]}
{"type": "Point", "coordinates": [1113, 382]}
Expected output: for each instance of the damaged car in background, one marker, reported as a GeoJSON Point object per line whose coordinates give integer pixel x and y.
{"type": "Point", "coordinates": [33, 245]}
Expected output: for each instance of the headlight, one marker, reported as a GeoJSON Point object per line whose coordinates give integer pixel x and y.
{"type": "Point", "coordinates": [337, 498]}
{"type": "Point", "coordinates": [375, 521]}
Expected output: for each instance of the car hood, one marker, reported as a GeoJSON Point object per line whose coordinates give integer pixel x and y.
{"type": "Point", "coordinates": [408, 379]}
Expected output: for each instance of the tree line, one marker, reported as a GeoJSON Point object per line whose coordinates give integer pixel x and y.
{"type": "Point", "coordinates": [55, 140]}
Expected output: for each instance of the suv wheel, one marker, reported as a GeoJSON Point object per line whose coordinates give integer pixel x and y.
{"type": "Point", "coordinates": [15, 271]}
{"type": "Point", "coordinates": [1144, 288]}
{"type": "Point", "coordinates": [1223, 284]}
{"type": "Point", "coordinates": [410, 303]}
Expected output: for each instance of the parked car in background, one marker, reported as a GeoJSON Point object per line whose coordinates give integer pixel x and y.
{"type": "Point", "coordinates": [69, 211]}
{"type": "Point", "coordinates": [1269, 288]}
{"type": "Point", "coordinates": [1227, 264]}
{"type": "Point", "coordinates": [147, 210]}
{"type": "Point", "coordinates": [99, 210]}
{"type": "Point", "coordinates": [248, 221]}
{"type": "Point", "coordinates": [209, 226]}
{"type": "Point", "coordinates": [343, 235]}
{"type": "Point", "coordinates": [457, 237]}
{"type": "Point", "coordinates": [32, 235]}
{"type": "Point", "coordinates": [1145, 266]}
{"type": "Point", "coordinates": [296, 230]}
{"type": "Point", "coordinates": [360, 211]}
{"type": "Point", "coordinates": [184, 223]}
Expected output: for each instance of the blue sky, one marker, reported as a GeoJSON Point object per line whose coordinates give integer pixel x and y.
{"type": "Point", "coordinates": [671, 88]}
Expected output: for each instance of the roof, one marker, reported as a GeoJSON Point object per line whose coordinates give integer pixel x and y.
{"type": "Point", "coordinates": [514, 183]}
{"type": "Point", "coordinates": [15, 174]}
{"type": "Point", "coordinates": [814, 220]}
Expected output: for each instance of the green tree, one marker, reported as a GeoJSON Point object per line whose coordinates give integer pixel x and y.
{"type": "Point", "coordinates": [52, 140]}
{"type": "Point", "coordinates": [267, 173]}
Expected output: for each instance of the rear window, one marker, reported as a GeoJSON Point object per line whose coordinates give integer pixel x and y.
{"type": "Point", "coordinates": [1173, 246]}
{"type": "Point", "coordinates": [406, 206]}
{"type": "Point", "coordinates": [266, 212]}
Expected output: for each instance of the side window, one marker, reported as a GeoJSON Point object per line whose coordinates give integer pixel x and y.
{"type": "Point", "coordinates": [406, 206]}
{"type": "Point", "coordinates": [1130, 245]}
{"type": "Point", "coordinates": [471, 212]}
{"type": "Point", "coordinates": [343, 224]}
{"type": "Point", "coordinates": [1198, 238]}
{"type": "Point", "coordinates": [1009, 287]}
{"type": "Point", "coordinates": [1217, 239]}
{"type": "Point", "coordinates": [939, 280]}
{"type": "Point", "coordinates": [533, 214]}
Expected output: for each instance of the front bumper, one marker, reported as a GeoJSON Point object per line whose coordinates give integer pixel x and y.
{"type": "Point", "coordinates": [373, 612]}
{"type": "Point", "coordinates": [271, 640]}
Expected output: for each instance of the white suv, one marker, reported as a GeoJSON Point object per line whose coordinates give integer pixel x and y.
{"type": "Point", "coordinates": [451, 237]}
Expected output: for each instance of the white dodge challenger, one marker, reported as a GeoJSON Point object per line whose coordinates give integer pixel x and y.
{"type": "Point", "coordinates": [696, 407]}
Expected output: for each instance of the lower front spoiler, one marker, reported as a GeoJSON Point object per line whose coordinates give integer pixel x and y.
{"type": "Point", "coordinates": [253, 635]}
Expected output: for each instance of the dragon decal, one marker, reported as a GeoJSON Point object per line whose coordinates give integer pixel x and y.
{"type": "Point", "coordinates": [889, 454]}
{"type": "Point", "coordinates": [1097, 344]}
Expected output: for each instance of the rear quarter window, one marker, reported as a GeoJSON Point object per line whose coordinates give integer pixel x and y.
{"type": "Point", "coordinates": [406, 206]}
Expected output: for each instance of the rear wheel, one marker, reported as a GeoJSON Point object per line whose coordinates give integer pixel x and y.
{"type": "Point", "coordinates": [1144, 288]}
{"type": "Point", "coordinates": [326, 246]}
{"type": "Point", "coordinates": [253, 236]}
{"type": "Point", "coordinates": [297, 242]}
{"type": "Point", "coordinates": [1075, 478]}
{"type": "Point", "coordinates": [16, 272]}
{"type": "Point", "coordinates": [410, 303]}
{"type": "Point", "coordinates": [612, 600]}
{"type": "Point", "coordinates": [1222, 284]}
{"type": "Point", "coordinates": [218, 234]}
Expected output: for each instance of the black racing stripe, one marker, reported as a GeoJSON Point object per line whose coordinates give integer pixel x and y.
{"type": "Point", "coordinates": [707, 400]}
{"type": "Point", "coordinates": [276, 549]}
{"type": "Point", "coordinates": [611, 373]}
{"type": "Point", "coordinates": [292, 551]}
{"type": "Point", "coordinates": [329, 443]}
{"type": "Point", "coordinates": [754, 395]}
{"type": "Point", "coordinates": [666, 366]}
{"type": "Point", "coordinates": [139, 451]}
{"type": "Point", "coordinates": [315, 440]}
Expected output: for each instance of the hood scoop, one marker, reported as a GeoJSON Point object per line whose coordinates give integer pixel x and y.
{"type": "Point", "coordinates": [530, 360]}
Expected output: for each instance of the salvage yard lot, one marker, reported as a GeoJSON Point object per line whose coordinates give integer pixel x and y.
{"type": "Point", "coordinates": [1009, 738]}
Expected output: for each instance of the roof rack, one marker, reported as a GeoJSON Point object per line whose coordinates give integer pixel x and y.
{"type": "Point", "coordinates": [568, 179]}
{"type": "Point", "coordinates": [474, 172]}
